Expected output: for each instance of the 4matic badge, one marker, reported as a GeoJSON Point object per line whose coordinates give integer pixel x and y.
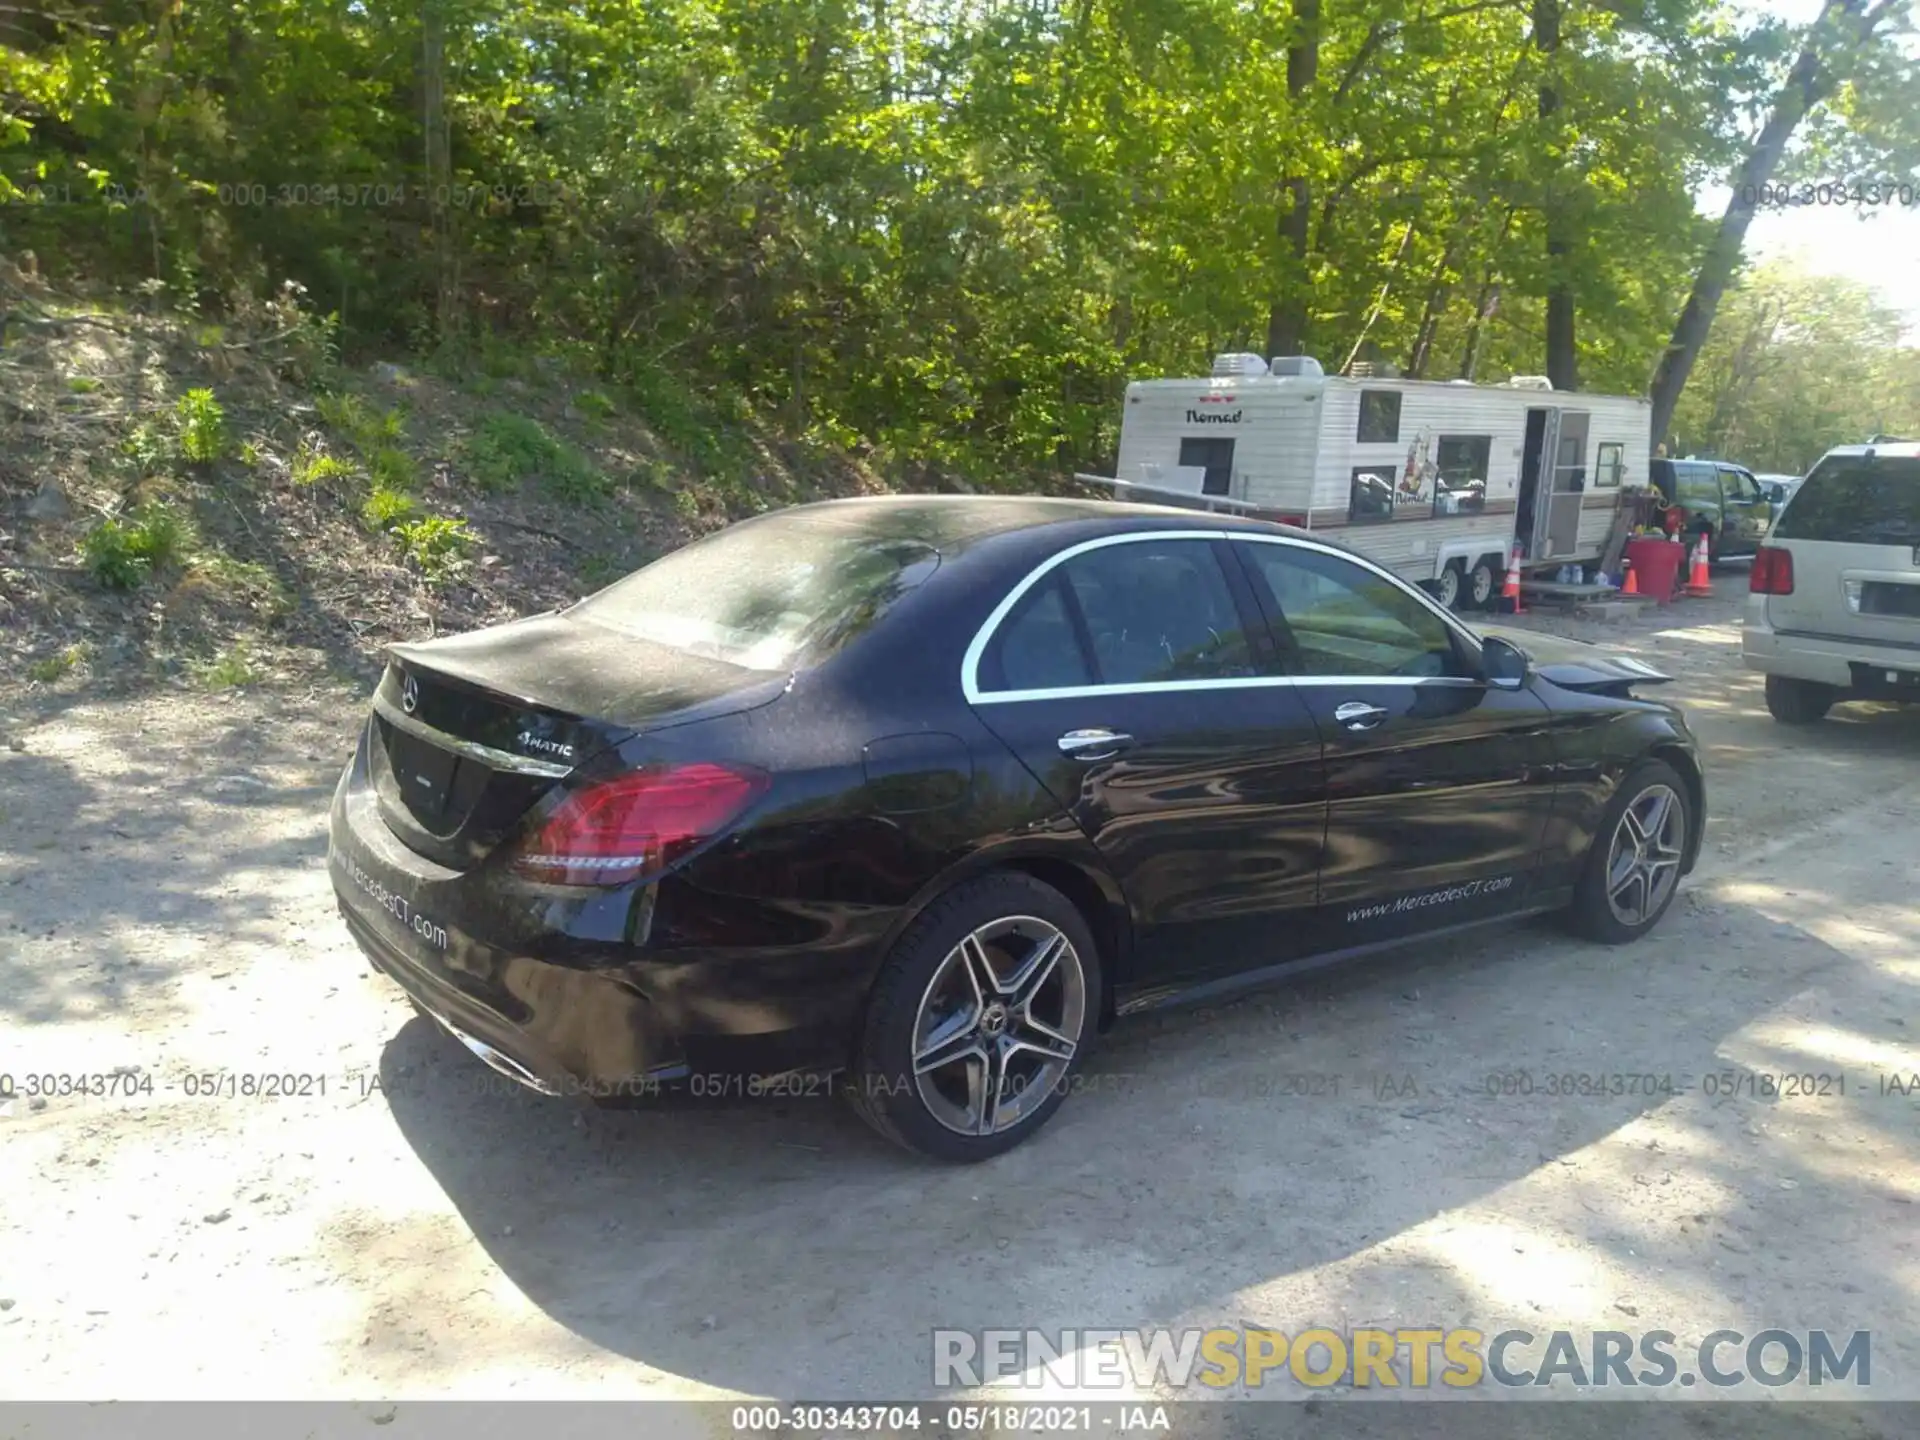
{"type": "Point", "coordinates": [530, 741]}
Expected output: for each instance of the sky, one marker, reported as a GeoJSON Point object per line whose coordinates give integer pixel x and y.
{"type": "Point", "coordinates": [1882, 251]}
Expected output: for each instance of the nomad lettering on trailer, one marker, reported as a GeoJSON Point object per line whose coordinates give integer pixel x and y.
{"type": "Point", "coordinates": [1451, 895]}
{"type": "Point", "coordinates": [395, 905]}
{"type": "Point", "coordinates": [1202, 417]}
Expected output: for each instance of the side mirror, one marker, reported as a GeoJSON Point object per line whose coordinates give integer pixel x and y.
{"type": "Point", "coordinates": [1506, 664]}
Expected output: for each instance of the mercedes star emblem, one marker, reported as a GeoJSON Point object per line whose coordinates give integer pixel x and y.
{"type": "Point", "coordinates": [410, 695]}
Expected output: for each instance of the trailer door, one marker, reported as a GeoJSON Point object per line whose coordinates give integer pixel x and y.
{"type": "Point", "coordinates": [1559, 518]}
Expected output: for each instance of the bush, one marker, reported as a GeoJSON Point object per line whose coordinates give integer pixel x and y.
{"type": "Point", "coordinates": [203, 426]}
{"type": "Point", "coordinates": [122, 553]}
{"type": "Point", "coordinates": [385, 509]}
{"type": "Point", "coordinates": [436, 543]}
{"type": "Point", "coordinates": [508, 449]}
{"type": "Point", "coordinates": [314, 467]}
{"type": "Point", "coordinates": [229, 671]}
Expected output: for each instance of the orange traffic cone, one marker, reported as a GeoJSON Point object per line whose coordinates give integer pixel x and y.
{"type": "Point", "coordinates": [1628, 585]}
{"type": "Point", "coordinates": [1699, 582]}
{"type": "Point", "coordinates": [1510, 592]}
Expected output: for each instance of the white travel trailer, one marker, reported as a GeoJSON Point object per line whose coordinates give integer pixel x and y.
{"type": "Point", "coordinates": [1436, 480]}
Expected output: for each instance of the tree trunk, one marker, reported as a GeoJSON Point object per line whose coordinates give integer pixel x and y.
{"type": "Point", "coordinates": [1563, 356]}
{"type": "Point", "coordinates": [439, 164]}
{"type": "Point", "coordinates": [1483, 309]}
{"type": "Point", "coordinates": [1287, 319]}
{"type": "Point", "coordinates": [1842, 24]}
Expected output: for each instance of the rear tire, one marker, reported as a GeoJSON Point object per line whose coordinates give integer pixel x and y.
{"type": "Point", "coordinates": [1483, 584]}
{"type": "Point", "coordinates": [1001, 977]}
{"type": "Point", "coordinates": [1798, 702]}
{"type": "Point", "coordinates": [1633, 866]}
{"type": "Point", "coordinates": [1451, 586]}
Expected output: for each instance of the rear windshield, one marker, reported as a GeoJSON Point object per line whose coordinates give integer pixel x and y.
{"type": "Point", "coordinates": [1857, 501]}
{"type": "Point", "coordinates": [777, 593]}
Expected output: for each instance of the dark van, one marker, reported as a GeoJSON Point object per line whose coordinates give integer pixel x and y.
{"type": "Point", "coordinates": [1723, 502]}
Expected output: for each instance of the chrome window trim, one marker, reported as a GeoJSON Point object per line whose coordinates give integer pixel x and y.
{"type": "Point", "coordinates": [983, 637]}
{"type": "Point", "coordinates": [471, 749]}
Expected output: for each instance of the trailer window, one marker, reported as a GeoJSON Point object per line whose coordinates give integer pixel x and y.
{"type": "Point", "coordinates": [1463, 461]}
{"type": "Point", "coordinates": [1610, 466]}
{"type": "Point", "coordinates": [1379, 417]}
{"type": "Point", "coordinates": [1370, 493]}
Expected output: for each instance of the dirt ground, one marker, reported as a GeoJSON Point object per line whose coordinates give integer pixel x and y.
{"type": "Point", "coordinates": [165, 913]}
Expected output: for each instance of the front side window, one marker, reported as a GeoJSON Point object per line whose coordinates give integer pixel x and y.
{"type": "Point", "coordinates": [1337, 618]}
{"type": "Point", "coordinates": [1610, 466]}
{"type": "Point", "coordinates": [1698, 488]}
{"type": "Point", "coordinates": [1463, 462]}
{"type": "Point", "coordinates": [1739, 485]}
{"type": "Point", "coordinates": [1379, 417]}
{"type": "Point", "coordinates": [1142, 612]}
{"type": "Point", "coordinates": [1370, 493]}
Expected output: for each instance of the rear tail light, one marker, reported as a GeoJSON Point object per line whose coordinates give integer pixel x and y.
{"type": "Point", "coordinates": [637, 824]}
{"type": "Point", "coordinates": [1772, 572]}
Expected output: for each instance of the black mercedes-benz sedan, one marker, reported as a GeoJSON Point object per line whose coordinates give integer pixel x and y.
{"type": "Point", "coordinates": [923, 793]}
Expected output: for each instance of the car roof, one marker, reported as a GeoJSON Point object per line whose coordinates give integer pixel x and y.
{"type": "Point", "coordinates": [1899, 449]}
{"type": "Point", "coordinates": [953, 523]}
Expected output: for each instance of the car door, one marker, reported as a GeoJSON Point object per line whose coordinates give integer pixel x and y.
{"type": "Point", "coordinates": [1439, 783]}
{"type": "Point", "coordinates": [1133, 677]}
{"type": "Point", "coordinates": [1744, 512]}
{"type": "Point", "coordinates": [1697, 488]}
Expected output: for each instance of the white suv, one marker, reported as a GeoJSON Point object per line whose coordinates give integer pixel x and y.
{"type": "Point", "coordinates": [1834, 608]}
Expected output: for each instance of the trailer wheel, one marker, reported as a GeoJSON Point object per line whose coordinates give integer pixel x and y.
{"type": "Point", "coordinates": [1483, 582]}
{"type": "Point", "coordinates": [1450, 585]}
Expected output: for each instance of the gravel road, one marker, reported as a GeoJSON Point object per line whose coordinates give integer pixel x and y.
{"type": "Point", "coordinates": [409, 1231]}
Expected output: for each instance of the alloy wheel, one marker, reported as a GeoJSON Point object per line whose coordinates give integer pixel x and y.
{"type": "Point", "coordinates": [998, 1025]}
{"type": "Point", "coordinates": [1643, 863]}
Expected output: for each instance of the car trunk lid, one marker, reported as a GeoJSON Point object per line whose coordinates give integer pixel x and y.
{"type": "Point", "coordinates": [469, 732]}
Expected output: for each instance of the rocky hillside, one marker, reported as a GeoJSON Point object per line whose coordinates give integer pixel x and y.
{"type": "Point", "coordinates": [191, 504]}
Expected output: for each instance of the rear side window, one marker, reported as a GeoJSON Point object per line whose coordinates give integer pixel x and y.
{"type": "Point", "coordinates": [773, 594]}
{"type": "Point", "coordinates": [1854, 500]}
{"type": "Point", "coordinates": [1139, 613]}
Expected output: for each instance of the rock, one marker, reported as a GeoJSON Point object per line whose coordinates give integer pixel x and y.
{"type": "Point", "coordinates": [16, 744]}
{"type": "Point", "coordinates": [218, 1217]}
{"type": "Point", "coordinates": [49, 502]}
{"type": "Point", "coordinates": [6, 1304]}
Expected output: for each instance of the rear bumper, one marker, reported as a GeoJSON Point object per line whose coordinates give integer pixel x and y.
{"type": "Point", "coordinates": [568, 995]}
{"type": "Point", "coordinates": [1847, 664]}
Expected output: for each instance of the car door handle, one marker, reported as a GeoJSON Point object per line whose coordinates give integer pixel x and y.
{"type": "Point", "coordinates": [1358, 715]}
{"type": "Point", "coordinates": [1093, 744]}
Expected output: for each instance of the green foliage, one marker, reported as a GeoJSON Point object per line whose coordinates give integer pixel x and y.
{"type": "Point", "coordinates": [252, 584]}
{"type": "Point", "coordinates": [594, 403]}
{"type": "Point", "coordinates": [944, 234]}
{"type": "Point", "coordinates": [314, 466]}
{"type": "Point", "coordinates": [1796, 364]}
{"type": "Point", "coordinates": [232, 669]}
{"type": "Point", "coordinates": [123, 552]}
{"type": "Point", "coordinates": [149, 448]}
{"type": "Point", "coordinates": [82, 384]}
{"type": "Point", "coordinates": [436, 543]}
{"type": "Point", "coordinates": [508, 449]}
{"type": "Point", "coordinates": [51, 669]}
{"type": "Point", "coordinates": [203, 426]}
{"type": "Point", "coordinates": [384, 509]}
